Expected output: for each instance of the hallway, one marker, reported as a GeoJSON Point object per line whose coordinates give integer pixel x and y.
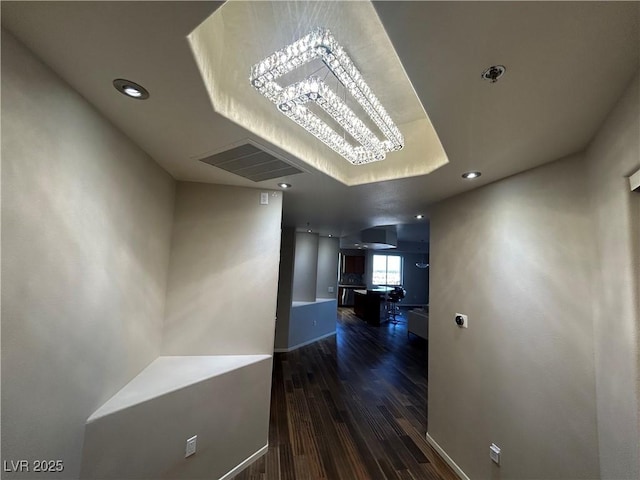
{"type": "Point", "coordinates": [351, 407]}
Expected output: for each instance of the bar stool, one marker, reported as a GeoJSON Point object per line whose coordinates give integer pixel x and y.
{"type": "Point", "coordinates": [393, 298]}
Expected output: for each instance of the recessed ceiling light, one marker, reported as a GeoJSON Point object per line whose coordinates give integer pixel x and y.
{"type": "Point", "coordinates": [419, 216]}
{"type": "Point", "coordinates": [284, 185]}
{"type": "Point", "coordinates": [309, 231]}
{"type": "Point", "coordinates": [132, 92]}
{"type": "Point", "coordinates": [493, 73]}
{"type": "Point", "coordinates": [471, 175]}
{"type": "Point", "coordinates": [131, 89]}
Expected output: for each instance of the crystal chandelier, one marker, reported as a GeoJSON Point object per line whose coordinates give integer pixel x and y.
{"type": "Point", "coordinates": [292, 100]}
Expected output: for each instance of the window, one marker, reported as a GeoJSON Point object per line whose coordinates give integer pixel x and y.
{"type": "Point", "coordinates": [387, 270]}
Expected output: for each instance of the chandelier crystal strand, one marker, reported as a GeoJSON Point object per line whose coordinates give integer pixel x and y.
{"type": "Point", "coordinates": [290, 100]}
{"type": "Point", "coordinates": [314, 89]}
{"type": "Point", "coordinates": [308, 120]}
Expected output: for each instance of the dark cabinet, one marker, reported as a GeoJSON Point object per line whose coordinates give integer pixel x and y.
{"type": "Point", "coordinates": [345, 296]}
{"type": "Point", "coordinates": [369, 306]}
{"type": "Point", "coordinates": [351, 277]}
{"type": "Point", "coordinates": [353, 264]}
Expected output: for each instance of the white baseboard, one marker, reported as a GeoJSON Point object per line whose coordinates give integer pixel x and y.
{"type": "Point", "coordinates": [454, 466]}
{"type": "Point", "coordinates": [236, 470]}
{"type": "Point", "coordinates": [313, 340]}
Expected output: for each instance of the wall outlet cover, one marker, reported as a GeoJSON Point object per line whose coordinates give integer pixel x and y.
{"type": "Point", "coordinates": [264, 198]}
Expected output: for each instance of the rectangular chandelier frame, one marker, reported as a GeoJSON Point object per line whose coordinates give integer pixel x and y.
{"type": "Point", "coordinates": [292, 100]}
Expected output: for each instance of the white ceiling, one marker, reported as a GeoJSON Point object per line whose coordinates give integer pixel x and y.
{"type": "Point", "coordinates": [567, 63]}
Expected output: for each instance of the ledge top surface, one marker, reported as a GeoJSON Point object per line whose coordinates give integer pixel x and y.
{"type": "Point", "coordinates": [170, 373]}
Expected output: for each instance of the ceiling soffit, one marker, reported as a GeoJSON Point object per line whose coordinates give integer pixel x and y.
{"type": "Point", "coordinates": [240, 34]}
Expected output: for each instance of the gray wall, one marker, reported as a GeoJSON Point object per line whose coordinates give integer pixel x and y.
{"type": "Point", "coordinates": [88, 234]}
{"type": "Point", "coordinates": [228, 412]}
{"type": "Point", "coordinates": [612, 156]}
{"type": "Point", "coordinates": [416, 280]}
{"type": "Point", "coordinates": [86, 228]}
{"type": "Point", "coordinates": [305, 268]}
{"type": "Point", "coordinates": [308, 266]}
{"type": "Point", "coordinates": [221, 301]}
{"type": "Point", "coordinates": [223, 280]}
{"type": "Point", "coordinates": [327, 276]}
{"type": "Point", "coordinates": [516, 256]}
{"type": "Point", "coordinates": [285, 287]}
{"type": "Point", "coordinates": [311, 321]}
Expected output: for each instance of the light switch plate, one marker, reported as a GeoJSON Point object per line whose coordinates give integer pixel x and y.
{"type": "Point", "coordinates": [264, 198]}
{"type": "Point", "coordinates": [634, 182]}
{"type": "Point", "coordinates": [191, 446]}
{"type": "Point", "coordinates": [494, 453]}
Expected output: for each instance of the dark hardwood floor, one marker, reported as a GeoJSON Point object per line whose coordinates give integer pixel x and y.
{"type": "Point", "coordinates": [351, 407]}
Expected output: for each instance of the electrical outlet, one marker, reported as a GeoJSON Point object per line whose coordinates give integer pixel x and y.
{"type": "Point", "coordinates": [315, 322]}
{"type": "Point", "coordinates": [330, 289]}
{"type": "Point", "coordinates": [264, 198]}
{"type": "Point", "coordinates": [191, 446]}
{"type": "Point", "coordinates": [462, 320]}
{"type": "Point", "coordinates": [494, 453]}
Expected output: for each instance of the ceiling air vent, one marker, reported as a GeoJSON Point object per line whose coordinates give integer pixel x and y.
{"type": "Point", "coordinates": [250, 161]}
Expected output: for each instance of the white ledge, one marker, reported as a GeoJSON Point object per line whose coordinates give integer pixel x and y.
{"type": "Point", "coordinates": [318, 300]}
{"type": "Point", "coordinates": [168, 374]}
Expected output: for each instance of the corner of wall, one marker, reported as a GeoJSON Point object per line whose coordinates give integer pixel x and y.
{"type": "Point", "coordinates": [327, 276]}
{"type": "Point", "coordinates": [613, 154]}
{"type": "Point", "coordinates": [285, 288]}
{"type": "Point", "coordinates": [86, 226]}
{"type": "Point", "coordinates": [223, 276]}
{"type": "Point", "coordinates": [306, 308]}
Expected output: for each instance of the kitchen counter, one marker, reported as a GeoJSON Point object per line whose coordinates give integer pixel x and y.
{"type": "Point", "coordinates": [345, 293]}
{"type": "Point", "coordinates": [369, 304]}
{"type": "Point", "coordinates": [381, 289]}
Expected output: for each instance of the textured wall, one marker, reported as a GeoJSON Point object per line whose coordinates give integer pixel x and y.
{"type": "Point", "coordinates": [222, 289]}
{"type": "Point", "coordinates": [613, 155]}
{"type": "Point", "coordinates": [86, 228]}
{"type": "Point", "coordinates": [516, 256]}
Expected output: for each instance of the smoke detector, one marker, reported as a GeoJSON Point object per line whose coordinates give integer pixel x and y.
{"type": "Point", "coordinates": [493, 73]}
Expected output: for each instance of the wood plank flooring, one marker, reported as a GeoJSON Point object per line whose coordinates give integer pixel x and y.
{"type": "Point", "coordinates": [351, 407]}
